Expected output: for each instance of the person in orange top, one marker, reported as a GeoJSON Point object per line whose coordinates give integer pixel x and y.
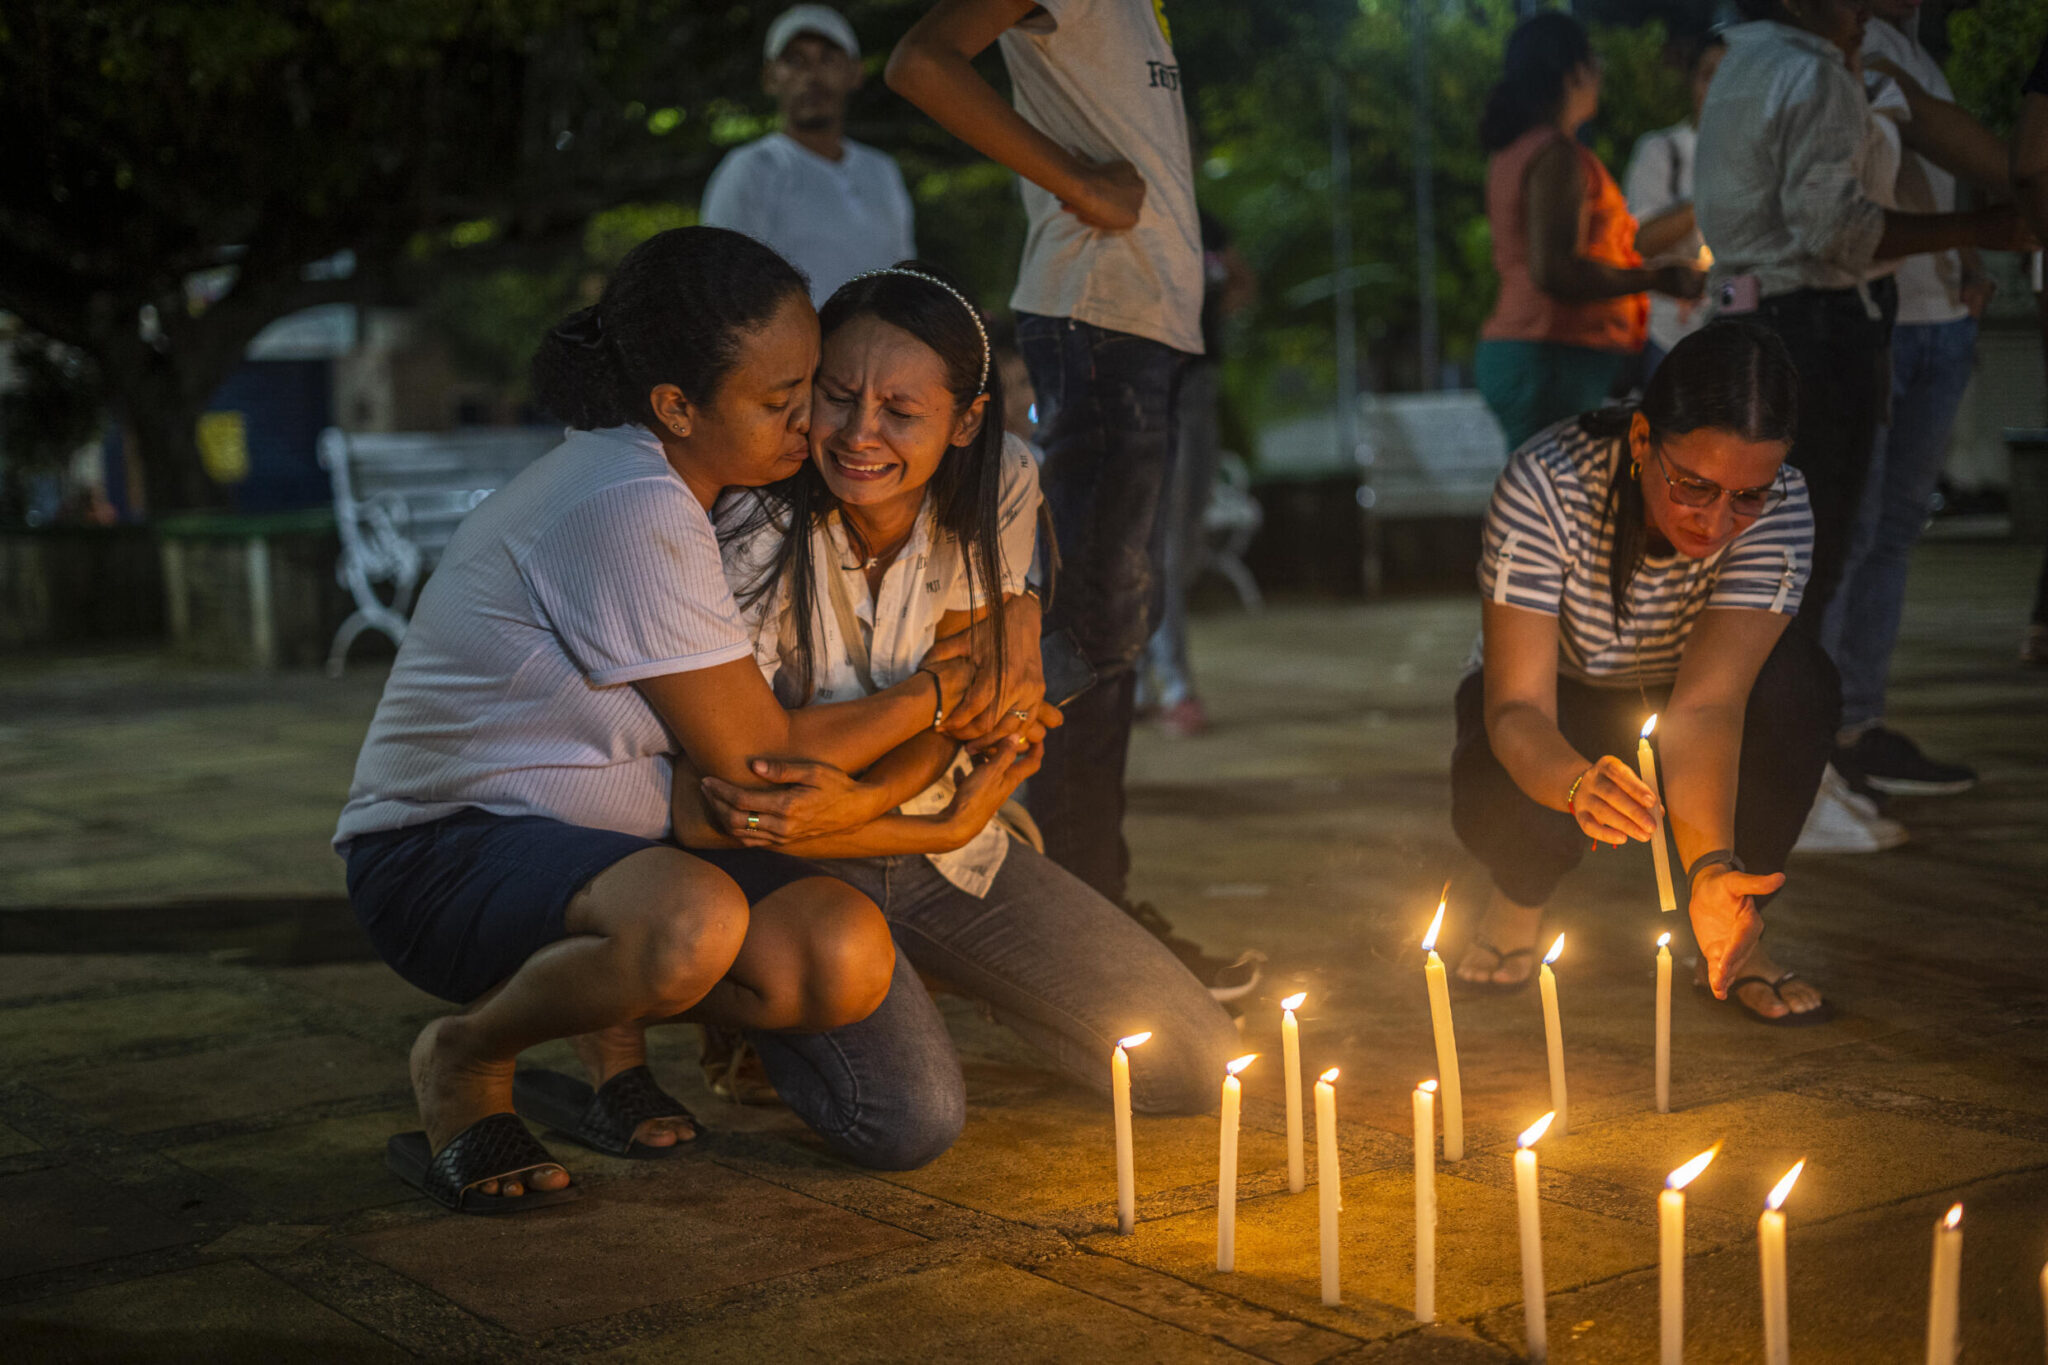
{"type": "Point", "coordinates": [1573, 304]}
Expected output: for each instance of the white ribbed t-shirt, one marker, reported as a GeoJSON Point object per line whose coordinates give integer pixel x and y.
{"type": "Point", "coordinates": [1547, 546]}
{"type": "Point", "coordinates": [594, 568]}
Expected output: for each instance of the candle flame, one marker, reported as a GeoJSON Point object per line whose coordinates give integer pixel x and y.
{"type": "Point", "coordinates": [1684, 1175]}
{"type": "Point", "coordinates": [1649, 725]}
{"type": "Point", "coordinates": [1776, 1198]}
{"type": "Point", "coordinates": [1663, 940]}
{"type": "Point", "coordinates": [1535, 1131]}
{"type": "Point", "coordinates": [1135, 1039]}
{"type": "Point", "coordinates": [1955, 1217]}
{"type": "Point", "coordinates": [1329, 1075]}
{"type": "Point", "coordinates": [1706, 257]}
{"type": "Point", "coordinates": [1293, 1002]}
{"type": "Point", "coordinates": [1241, 1063]}
{"type": "Point", "coordinates": [1430, 1086]}
{"type": "Point", "coordinates": [1555, 949]}
{"type": "Point", "coordinates": [1435, 925]}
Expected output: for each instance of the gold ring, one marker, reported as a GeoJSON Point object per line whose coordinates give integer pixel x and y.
{"type": "Point", "coordinates": [753, 822]}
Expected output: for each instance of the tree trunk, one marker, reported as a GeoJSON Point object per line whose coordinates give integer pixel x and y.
{"type": "Point", "coordinates": [159, 414]}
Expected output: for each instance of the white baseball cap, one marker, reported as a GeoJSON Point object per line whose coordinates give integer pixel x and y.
{"type": "Point", "coordinates": [797, 20]}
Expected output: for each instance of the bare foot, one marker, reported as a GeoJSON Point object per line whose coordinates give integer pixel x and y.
{"type": "Point", "coordinates": [609, 1051]}
{"type": "Point", "coordinates": [1507, 927]}
{"type": "Point", "coordinates": [455, 1089]}
{"type": "Point", "coordinates": [1799, 995]}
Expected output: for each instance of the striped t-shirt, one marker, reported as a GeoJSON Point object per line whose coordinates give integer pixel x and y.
{"type": "Point", "coordinates": [593, 569]}
{"type": "Point", "coordinates": [1547, 549]}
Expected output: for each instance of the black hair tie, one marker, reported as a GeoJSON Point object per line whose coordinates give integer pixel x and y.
{"type": "Point", "coordinates": [584, 328]}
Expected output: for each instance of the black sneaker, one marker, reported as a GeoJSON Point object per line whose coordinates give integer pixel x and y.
{"type": "Point", "coordinates": [1891, 763]}
{"type": "Point", "coordinates": [1227, 979]}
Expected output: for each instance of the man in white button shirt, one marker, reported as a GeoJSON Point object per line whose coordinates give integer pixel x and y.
{"type": "Point", "coordinates": [831, 206]}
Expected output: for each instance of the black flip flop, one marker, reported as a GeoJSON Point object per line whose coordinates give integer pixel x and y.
{"type": "Point", "coordinates": [602, 1120]}
{"type": "Point", "coordinates": [495, 1147]}
{"type": "Point", "coordinates": [1500, 959]}
{"type": "Point", "coordinates": [1792, 1018]}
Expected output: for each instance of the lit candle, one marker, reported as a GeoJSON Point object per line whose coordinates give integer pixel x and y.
{"type": "Point", "coordinates": [1647, 762]}
{"type": "Point", "coordinates": [1327, 1181]}
{"type": "Point", "coordinates": [1446, 1041]}
{"type": "Point", "coordinates": [1120, 1097]}
{"type": "Point", "coordinates": [1425, 1203]}
{"type": "Point", "coordinates": [1671, 1255]}
{"type": "Point", "coordinates": [1770, 1245]}
{"type": "Point", "coordinates": [1226, 1166]}
{"type": "Point", "coordinates": [1945, 1291]}
{"type": "Point", "coordinates": [1553, 1035]}
{"type": "Point", "coordinates": [1663, 1023]}
{"type": "Point", "coordinates": [1290, 1057]}
{"type": "Point", "coordinates": [2044, 1269]}
{"type": "Point", "coordinates": [1534, 1322]}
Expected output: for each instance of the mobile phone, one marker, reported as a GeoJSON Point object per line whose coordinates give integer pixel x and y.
{"type": "Point", "coordinates": [1740, 294]}
{"type": "Point", "coordinates": [1067, 671]}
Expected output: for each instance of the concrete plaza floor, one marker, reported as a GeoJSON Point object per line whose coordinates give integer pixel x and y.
{"type": "Point", "coordinates": [199, 1067]}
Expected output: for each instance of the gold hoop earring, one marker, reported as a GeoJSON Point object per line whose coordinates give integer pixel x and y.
{"type": "Point", "coordinates": [1635, 469]}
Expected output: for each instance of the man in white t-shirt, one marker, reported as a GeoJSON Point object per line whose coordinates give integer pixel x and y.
{"type": "Point", "coordinates": [1109, 304]}
{"type": "Point", "coordinates": [832, 206]}
{"type": "Point", "coordinates": [1941, 295]}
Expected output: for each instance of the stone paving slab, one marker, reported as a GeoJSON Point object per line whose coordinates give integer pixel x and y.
{"type": "Point", "coordinates": [1855, 1159]}
{"type": "Point", "coordinates": [1857, 1288]}
{"type": "Point", "coordinates": [980, 1311]}
{"type": "Point", "coordinates": [307, 1170]}
{"type": "Point", "coordinates": [695, 1229]}
{"type": "Point", "coordinates": [1051, 1158]}
{"type": "Point", "coordinates": [64, 1217]}
{"type": "Point", "coordinates": [1278, 1252]}
{"type": "Point", "coordinates": [229, 1313]}
{"type": "Point", "coordinates": [40, 1035]}
{"type": "Point", "coordinates": [226, 1083]}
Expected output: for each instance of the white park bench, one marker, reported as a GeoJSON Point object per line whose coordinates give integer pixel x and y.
{"type": "Point", "coordinates": [1429, 454]}
{"type": "Point", "coordinates": [398, 497]}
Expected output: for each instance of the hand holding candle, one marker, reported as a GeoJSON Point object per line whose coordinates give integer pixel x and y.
{"type": "Point", "coordinates": [1446, 1041]}
{"type": "Point", "coordinates": [1945, 1291]}
{"type": "Point", "coordinates": [1770, 1244]}
{"type": "Point", "coordinates": [1425, 1203]}
{"type": "Point", "coordinates": [1671, 1256]}
{"type": "Point", "coordinates": [1226, 1165]}
{"type": "Point", "coordinates": [1120, 1099]}
{"type": "Point", "coordinates": [1290, 1058]}
{"type": "Point", "coordinates": [1534, 1319]}
{"type": "Point", "coordinates": [1553, 1035]}
{"type": "Point", "coordinates": [1327, 1181]}
{"type": "Point", "coordinates": [1646, 760]}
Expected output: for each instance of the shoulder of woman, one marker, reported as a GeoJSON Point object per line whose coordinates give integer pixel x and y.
{"type": "Point", "coordinates": [1020, 467]}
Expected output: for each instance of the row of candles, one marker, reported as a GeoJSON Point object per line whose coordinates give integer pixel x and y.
{"type": "Point", "coordinates": [1945, 1285]}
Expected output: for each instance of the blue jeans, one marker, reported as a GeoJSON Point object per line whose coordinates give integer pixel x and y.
{"type": "Point", "coordinates": [1106, 419]}
{"type": "Point", "coordinates": [1931, 365]}
{"type": "Point", "coordinates": [1066, 970]}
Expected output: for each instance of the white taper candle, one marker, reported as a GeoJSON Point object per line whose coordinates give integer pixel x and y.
{"type": "Point", "coordinates": [1425, 1202]}
{"type": "Point", "coordinates": [1327, 1182]}
{"type": "Point", "coordinates": [1290, 1058]}
{"type": "Point", "coordinates": [1120, 1101]}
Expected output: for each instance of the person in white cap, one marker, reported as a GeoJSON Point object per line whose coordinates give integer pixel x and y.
{"type": "Point", "coordinates": [831, 206]}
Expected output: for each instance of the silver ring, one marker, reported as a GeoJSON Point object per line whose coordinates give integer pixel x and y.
{"type": "Point", "coordinates": [753, 822]}
{"type": "Point", "coordinates": [1021, 715]}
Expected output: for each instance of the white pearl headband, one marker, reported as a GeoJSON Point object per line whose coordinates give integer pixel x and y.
{"type": "Point", "coordinates": [972, 311]}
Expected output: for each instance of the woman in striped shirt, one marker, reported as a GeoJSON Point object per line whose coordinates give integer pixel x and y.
{"type": "Point", "coordinates": [1641, 561]}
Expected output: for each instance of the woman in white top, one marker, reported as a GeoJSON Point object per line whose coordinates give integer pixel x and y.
{"type": "Point", "coordinates": [914, 521]}
{"type": "Point", "coordinates": [506, 831]}
{"type": "Point", "coordinates": [1637, 562]}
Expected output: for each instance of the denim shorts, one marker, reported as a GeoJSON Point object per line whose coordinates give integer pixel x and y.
{"type": "Point", "coordinates": [457, 905]}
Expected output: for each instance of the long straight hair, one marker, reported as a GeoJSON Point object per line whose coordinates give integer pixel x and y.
{"type": "Point", "coordinates": [965, 491]}
{"type": "Point", "coordinates": [1731, 376]}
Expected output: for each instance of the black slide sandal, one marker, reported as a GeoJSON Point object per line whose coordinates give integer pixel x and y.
{"type": "Point", "coordinates": [495, 1147]}
{"type": "Point", "coordinates": [1500, 960]}
{"type": "Point", "coordinates": [602, 1120]}
{"type": "Point", "coordinates": [1819, 1014]}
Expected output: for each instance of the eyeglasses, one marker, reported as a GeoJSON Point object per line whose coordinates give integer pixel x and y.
{"type": "Point", "coordinates": [1690, 490]}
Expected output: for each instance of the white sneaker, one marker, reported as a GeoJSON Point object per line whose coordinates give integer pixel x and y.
{"type": "Point", "coordinates": [1842, 821]}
